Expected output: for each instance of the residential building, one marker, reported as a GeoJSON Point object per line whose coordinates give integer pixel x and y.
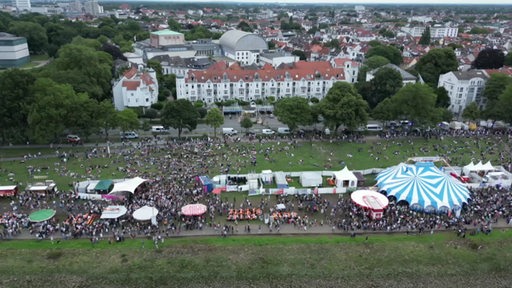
{"type": "Point", "coordinates": [221, 82]}
{"type": "Point", "coordinates": [407, 78]}
{"type": "Point", "coordinates": [350, 67]}
{"type": "Point", "coordinates": [464, 87]}
{"type": "Point", "coordinates": [436, 31]}
{"type": "Point", "coordinates": [93, 8]}
{"type": "Point", "coordinates": [22, 5]}
{"type": "Point", "coordinates": [243, 47]}
{"type": "Point", "coordinates": [277, 58]}
{"type": "Point", "coordinates": [137, 87]}
{"type": "Point", "coordinates": [13, 51]}
{"type": "Point", "coordinates": [166, 37]}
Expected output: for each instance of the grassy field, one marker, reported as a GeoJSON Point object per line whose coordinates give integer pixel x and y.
{"type": "Point", "coordinates": [304, 156]}
{"type": "Point", "coordinates": [396, 260]}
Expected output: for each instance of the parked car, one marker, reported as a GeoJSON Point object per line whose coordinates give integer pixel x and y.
{"type": "Point", "coordinates": [267, 132]}
{"type": "Point", "coordinates": [229, 131]}
{"type": "Point", "coordinates": [283, 130]}
{"type": "Point", "coordinates": [129, 135]}
{"type": "Point", "coordinates": [73, 139]}
{"type": "Point", "coordinates": [159, 129]}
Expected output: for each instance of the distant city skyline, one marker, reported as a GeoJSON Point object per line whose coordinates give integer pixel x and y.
{"type": "Point", "coordinates": [353, 2]}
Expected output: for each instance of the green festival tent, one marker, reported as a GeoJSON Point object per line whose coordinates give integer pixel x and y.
{"type": "Point", "coordinates": [41, 215]}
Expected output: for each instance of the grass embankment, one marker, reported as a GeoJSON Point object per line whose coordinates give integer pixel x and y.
{"type": "Point", "coordinates": [396, 260]}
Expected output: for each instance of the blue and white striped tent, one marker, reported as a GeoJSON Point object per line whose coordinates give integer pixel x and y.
{"type": "Point", "coordinates": [424, 187]}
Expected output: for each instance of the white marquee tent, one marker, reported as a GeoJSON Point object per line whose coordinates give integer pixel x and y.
{"type": "Point", "coordinates": [128, 185]}
{"type": "Point", "coordinates": [345, 178]}
{"type": "Point", "coordinates": [310, 179]}
{"type": "Point", "coordinates": [145, 213]}
{"type": "Point", "coordinates": [113, 212]}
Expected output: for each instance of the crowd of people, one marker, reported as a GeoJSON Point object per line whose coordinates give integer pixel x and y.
{"type": "Point", "coordinates": [173, 166]}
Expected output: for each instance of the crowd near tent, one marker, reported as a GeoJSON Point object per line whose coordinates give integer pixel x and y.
{"type": "Point", "coordinates": [310, 179]}
{"type": "Point", "coordinates": [113, 212]}
{"type": "Point", "coordinates": [345, 178]}
{"type": "Point", "coordinates": [424, 187]}
{"type": "Point", "coordinates": [372, 201]}
{"type": "Point", "coordinates": [128, 186]}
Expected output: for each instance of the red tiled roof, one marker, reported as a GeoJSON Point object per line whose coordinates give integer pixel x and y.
{"type": "Point", "coordinates": [300, 70]}
{"type": "Point", "coordinates": [131, 85]}
{"type": "Point", "coordinates": [130, 73]}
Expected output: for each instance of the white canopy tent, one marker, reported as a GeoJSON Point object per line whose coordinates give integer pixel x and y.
{"type": "Point", "coordinates": [113, 212]}
{"type": "Point", "coordinates": [128, 185]}
{"type": "Point", "coordinates": [478, 167]}
{"type": "Point", "coordinates": [345, 178]}
{"type": "Point", "coordinates": [310, 179]}
{"type": "Point", "coordinates": [145, 213]}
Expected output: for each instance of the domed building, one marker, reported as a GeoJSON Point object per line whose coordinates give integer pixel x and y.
{"type": "Point", "coordinates": [243, 47]}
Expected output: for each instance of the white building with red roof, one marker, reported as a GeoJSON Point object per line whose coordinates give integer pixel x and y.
{"type": "Point", "coordinates": [221, 82]}
{"type": "Point", "coordinates": [137, 88]}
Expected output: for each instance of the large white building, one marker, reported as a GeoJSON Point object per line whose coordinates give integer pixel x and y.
{"type": "Point", "coordinates": [22, 5]}
{"type": "Point", "coordinates": [221, 82]}
{"type": "Point", "coordinates": [13, 51]}
{"type": "Point", "coordinates": [243, 47]}
{"type": "Point", "coordinates": [137, 88]}
{"type": "Point", "coordinates": [464, 87]}
{"type": "Point", "coordinates": [436, 31]}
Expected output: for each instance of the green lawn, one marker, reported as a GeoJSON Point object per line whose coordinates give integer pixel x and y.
{"type": "Point", "coordinates": [305, 156]}
{"type": "Point", "coordinates": [393, 260]}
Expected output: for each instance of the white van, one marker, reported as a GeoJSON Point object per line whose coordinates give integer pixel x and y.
{"type": "Point", "coordinates": [129, 135]}
{"type": "Point", "coordinates": [283, 130]}
{"type": "Point", "coordinates": [159, 129]}
{"type": "Point", "coordinates": [373, 127]}
{"type": "Point", "coordinates": [229, 131]}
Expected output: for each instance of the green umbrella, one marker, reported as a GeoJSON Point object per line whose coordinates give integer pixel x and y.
{"type": "Point", "coordinates": [42, 215]}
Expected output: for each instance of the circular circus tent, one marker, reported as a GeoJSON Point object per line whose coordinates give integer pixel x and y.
{"type": "Point", "coordinates": [424, 187]}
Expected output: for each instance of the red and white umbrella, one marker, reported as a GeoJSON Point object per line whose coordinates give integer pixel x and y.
{"type": "Point", "coordinates": [193, 209]}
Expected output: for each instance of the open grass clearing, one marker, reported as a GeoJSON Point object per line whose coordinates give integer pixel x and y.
{"type": "Point", "coordinates": [393, 260]}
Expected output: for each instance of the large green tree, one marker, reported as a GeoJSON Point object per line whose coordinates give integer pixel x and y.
{"type": "Point", "coordinates": [127, 120]}
{"type": "Point", "coordinates": [387, 51]}
{"type": "Point", "coordinates": [425, 37]}
{"type": "Point", "coordinates": [180, 114]}
{"type": "Point", "coordinates": [494, 87]}
{"type": "Point", "coordinates": [107, 118]}
{"type": "Point", "coordinates": [471, 112]}
{"type": "Point", "coordinates": [37, 40]}
{"type": "Point", "coordinates": [505, 105]}
{"type": "Point", "coordinates": [215, 119]}
{"type": "Point", "coordinates": [293, 111]}
{"type": "Point", "coordinates": [435, 63]}
{"type": "Point", "coordinates": [417, 103]}
{"type": "Point", "coordinates": [86, 69]}
{"type": "Point", "coordinates": [376, 62]}
{"type": "Point", "coordinates": [385, 83]}
{"type": "Point", "coordinates": [15, 101]}
{"type": "Point", "coordinates": [53, 111]}
{"type": "Point", "coordinates": [489, 58]}
{"type": "Point", "coordinates": [343, 106]}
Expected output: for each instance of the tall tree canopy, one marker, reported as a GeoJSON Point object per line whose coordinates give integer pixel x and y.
{"type": "Point", "coordinates": [86, 69]}
{"type": "Point", "coordinates": [425, 37]}
{"type": "Point", "coordinates": [293, 111]}
{"type": "Point", "coordinates": [343, 106]}
{"type": "Point", "coordinates": [505, 105]}
{"type": "Point", "coordinates": [376, 62]}
{"type": "Point", "coordinates": [387, 51]}
{"type": "Point", "coordinates": [489, 58]}
{"type": "Point", "coordinates": [385, 83]}
{"type": "Point", "coordinates": [494, 87]}
{"type": "Point", "coordinates": [180, 114]}
{"type": "Point", "coordinates": [215, 119]}
{"type": "Point", "coordinates": [417, 103]}
{"type": "Point", "coordinates": [16, 89]}
{"type": "Point", "coordinates": [37, 40]}
{"type": "Point", "coordinates": [435, 63]}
